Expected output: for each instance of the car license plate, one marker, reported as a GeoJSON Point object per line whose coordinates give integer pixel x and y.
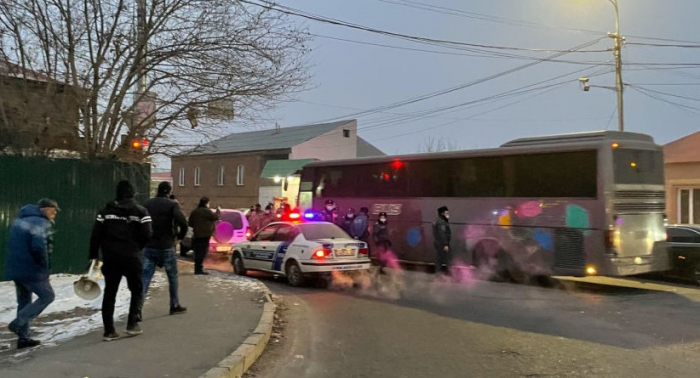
{"type": "Point", "coordinates": [344, 252]}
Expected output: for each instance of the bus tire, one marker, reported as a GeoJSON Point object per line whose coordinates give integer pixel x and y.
{"type": "Point", "coordinates": [489, 258]}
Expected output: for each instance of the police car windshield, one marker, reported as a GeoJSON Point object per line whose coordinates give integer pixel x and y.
{"type": "Point", "coordinates": [316, 231]}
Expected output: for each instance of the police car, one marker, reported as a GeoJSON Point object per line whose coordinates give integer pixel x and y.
{"type": "Point", "coordinates": [298, 250]}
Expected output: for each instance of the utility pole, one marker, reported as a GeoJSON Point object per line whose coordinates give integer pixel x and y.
{"type": "Point", "coordinates": [619, 86]}
{"type": "Point", "coordinates": [141, 42]}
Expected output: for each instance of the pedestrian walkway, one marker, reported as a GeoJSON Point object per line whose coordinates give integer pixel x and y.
{"type": "Point", "coordinates": [222, 311]}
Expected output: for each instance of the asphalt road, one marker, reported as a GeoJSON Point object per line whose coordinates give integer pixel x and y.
{"type": "Point", "coordinates": [407, 324]}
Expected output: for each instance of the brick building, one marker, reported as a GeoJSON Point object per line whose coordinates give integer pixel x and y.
{"type": "Point", "coordinates": [263, 166]}
{"type": "Point", "coordinates": [682, 170]}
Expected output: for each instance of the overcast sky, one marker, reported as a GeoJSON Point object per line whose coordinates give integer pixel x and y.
{"type": "Point", "coordinates": [349, 77]}
{"type": "Point", "coordinates": [356, 71]}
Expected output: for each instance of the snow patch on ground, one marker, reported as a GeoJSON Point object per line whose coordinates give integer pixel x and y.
{"type": "Point", "coordinates": [68, 316]}
{"type": "Point", "coordinates": [227, 280]}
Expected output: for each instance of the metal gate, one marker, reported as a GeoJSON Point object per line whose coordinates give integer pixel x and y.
{"type": "Point", "coordinates": [81, 188]}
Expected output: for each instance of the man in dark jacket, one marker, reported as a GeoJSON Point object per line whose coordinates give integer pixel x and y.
{"type": "Point", "coordinates": [168, 224]}
{"type": "Point", "coordinates": [27, 264]}
{"type": "Point", "coordinates": [121, 231]}
{"type": "Point", "coordinates": [202, 221]}
{"type": "Point", "coordinates": [441, 239]}
{"type": "Point", "coordinates": [380, 234]}
{"type": "Point", "coordinates": [360, 225]}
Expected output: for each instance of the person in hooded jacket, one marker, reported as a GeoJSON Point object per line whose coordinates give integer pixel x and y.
{"type": "Point", "coordinates": [27, 264]}
{"type": "Point", "coordinates": [359, 229]}
{"type": "Point", "coordinates": [442, 235]}
{"type": "Point", "coordinates": [203, 222]}
{"type": "Point", "coordinates": [169, 225]}
{"type": "Point", "coordinates": [121, 231]}
{"type": "Point", "coordinates": [346, 223]}
{"type": "Point", "coordinates": [380, 235]}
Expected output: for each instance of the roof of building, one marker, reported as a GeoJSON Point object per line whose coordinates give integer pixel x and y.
{"type": "Point", "coordinates": [366, 149]}
{"type": "Point", "coordinates": [270, 139]}
{"type": "Point", "coordinates": [161, 176]}
{"type": "Point", "coordinates": [683, 150]}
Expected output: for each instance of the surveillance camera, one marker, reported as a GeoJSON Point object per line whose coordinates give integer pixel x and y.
{"type": "Point", "coordinates": [584, 84]}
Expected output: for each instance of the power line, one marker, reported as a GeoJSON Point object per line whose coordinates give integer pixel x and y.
{"type": "Point", "coordinates": [491, 55]}
{"type": "Point", "coordinates": [516, 22]}
{"type": "Point", "coordinates": [336, 22]}
{"type": "Point", "coordinates": [665, 93]}
{"type": "Point", "coordinates": [678, 105]}
{"type": "Point", "coordinates": [454, 89]}
{"type": "Point", "coordinates": [483, 17]}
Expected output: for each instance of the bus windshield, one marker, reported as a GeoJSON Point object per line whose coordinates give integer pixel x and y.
{"type": "Point", "coordinates": [638, 167]}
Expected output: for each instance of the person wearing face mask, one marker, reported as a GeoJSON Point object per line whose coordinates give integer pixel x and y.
{"type": "Point", "coordinates": [327, 213]}
{"type": "Point", "coordinates": [380, 235]}
{"type": "Point", "coordinates": [346, 223]}
{"type": "Point", "coordinates": [441, 239]}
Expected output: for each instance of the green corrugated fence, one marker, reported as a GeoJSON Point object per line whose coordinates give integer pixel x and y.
{"type": "Point", "coordinates": [81, 188]}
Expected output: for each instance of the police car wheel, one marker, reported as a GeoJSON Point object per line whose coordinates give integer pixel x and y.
{"type": "Point", "coordinates": [294, 275]}
{"type": "Point", "coordinates": [238, 267]}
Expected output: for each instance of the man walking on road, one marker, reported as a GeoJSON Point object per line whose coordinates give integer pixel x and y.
{"type": "Point", "coordinates": [441, 239]}
{"type": "Point", "coordinates": [121, 231]}
{"type": "Point", "coordinates": [27, 264]}
{"type": "Point", "coordinates": [167, 220]}
{"type": "Point", "coordinates": [202, 221]}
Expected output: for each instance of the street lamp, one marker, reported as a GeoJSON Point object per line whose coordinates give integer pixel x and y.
{"type": "Point", "coordinates": [617, 52]}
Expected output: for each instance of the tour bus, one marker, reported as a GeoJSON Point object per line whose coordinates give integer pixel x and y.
{"type": "Point", "coordinates": [576, 204]}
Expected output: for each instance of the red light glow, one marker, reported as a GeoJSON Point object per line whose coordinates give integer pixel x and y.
{"type": "Point", "coordinates": [294, 216]}
{"type": "Point", "coordinates": [396, 164]}
{"type": "Point", "coordinates": [319, 254]}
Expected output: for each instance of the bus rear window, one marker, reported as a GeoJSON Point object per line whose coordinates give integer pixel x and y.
{"type": "Point", "coordinates": [638, 167]}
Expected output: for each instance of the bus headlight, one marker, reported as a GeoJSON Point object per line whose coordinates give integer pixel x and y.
{"type": "Point", "coordinates": [591, 270]}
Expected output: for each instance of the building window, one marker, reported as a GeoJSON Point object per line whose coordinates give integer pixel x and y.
{"type": "Point", "coordinates": [240, 175]}
{"type": "Point", "coordinates": [220, 177]}
{"type": "Point", "coordinates": [197, 176]}
{"type": "Point", "coordinates": [181, 178]}
{"type": "Point", "coordinates": [689, 205]}
{"type": "Point", "coordinates": [346, 133]}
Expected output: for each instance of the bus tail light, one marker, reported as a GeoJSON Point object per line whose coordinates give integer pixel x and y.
{"type": "Point", "coordinates": [609, 237]}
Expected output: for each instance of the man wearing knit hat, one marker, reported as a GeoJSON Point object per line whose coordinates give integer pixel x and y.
{"type": "Point", "coordinates": [28, 263]}
{"type": "Point", "coordinates": [441, 239]}
{"type": "Point", "coordinates": [121, 231]}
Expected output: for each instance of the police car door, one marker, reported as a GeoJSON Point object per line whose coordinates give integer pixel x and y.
{"type": "Point", "coordinates": [284, 236]}
{"type": "Point", "coordinates": [261, 251]}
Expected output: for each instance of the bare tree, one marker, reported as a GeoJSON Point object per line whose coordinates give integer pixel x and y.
{"type": "Point", "coordinates": [144, 69]}
{"type": "Point", "coordinates": [431, 144]}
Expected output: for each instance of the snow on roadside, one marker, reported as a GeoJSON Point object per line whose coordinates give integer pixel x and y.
{"type": "Point", "coordinates": [68, 316]}
{"type": "Point", "coordinates": [226, 280]}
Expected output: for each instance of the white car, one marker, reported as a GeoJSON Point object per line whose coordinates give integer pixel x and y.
{"type": "Point", "coordinates": [298, 250]}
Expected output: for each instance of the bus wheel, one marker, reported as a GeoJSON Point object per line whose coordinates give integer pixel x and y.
{"type": "Point", "coordinates": [488, 258]}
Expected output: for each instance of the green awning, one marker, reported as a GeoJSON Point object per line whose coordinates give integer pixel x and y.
{"type": "Point", "coordinates": [283, 168]}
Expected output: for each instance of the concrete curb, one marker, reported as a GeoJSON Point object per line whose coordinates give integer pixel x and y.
{"type": "Point", "coordinates": [238, 362]}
